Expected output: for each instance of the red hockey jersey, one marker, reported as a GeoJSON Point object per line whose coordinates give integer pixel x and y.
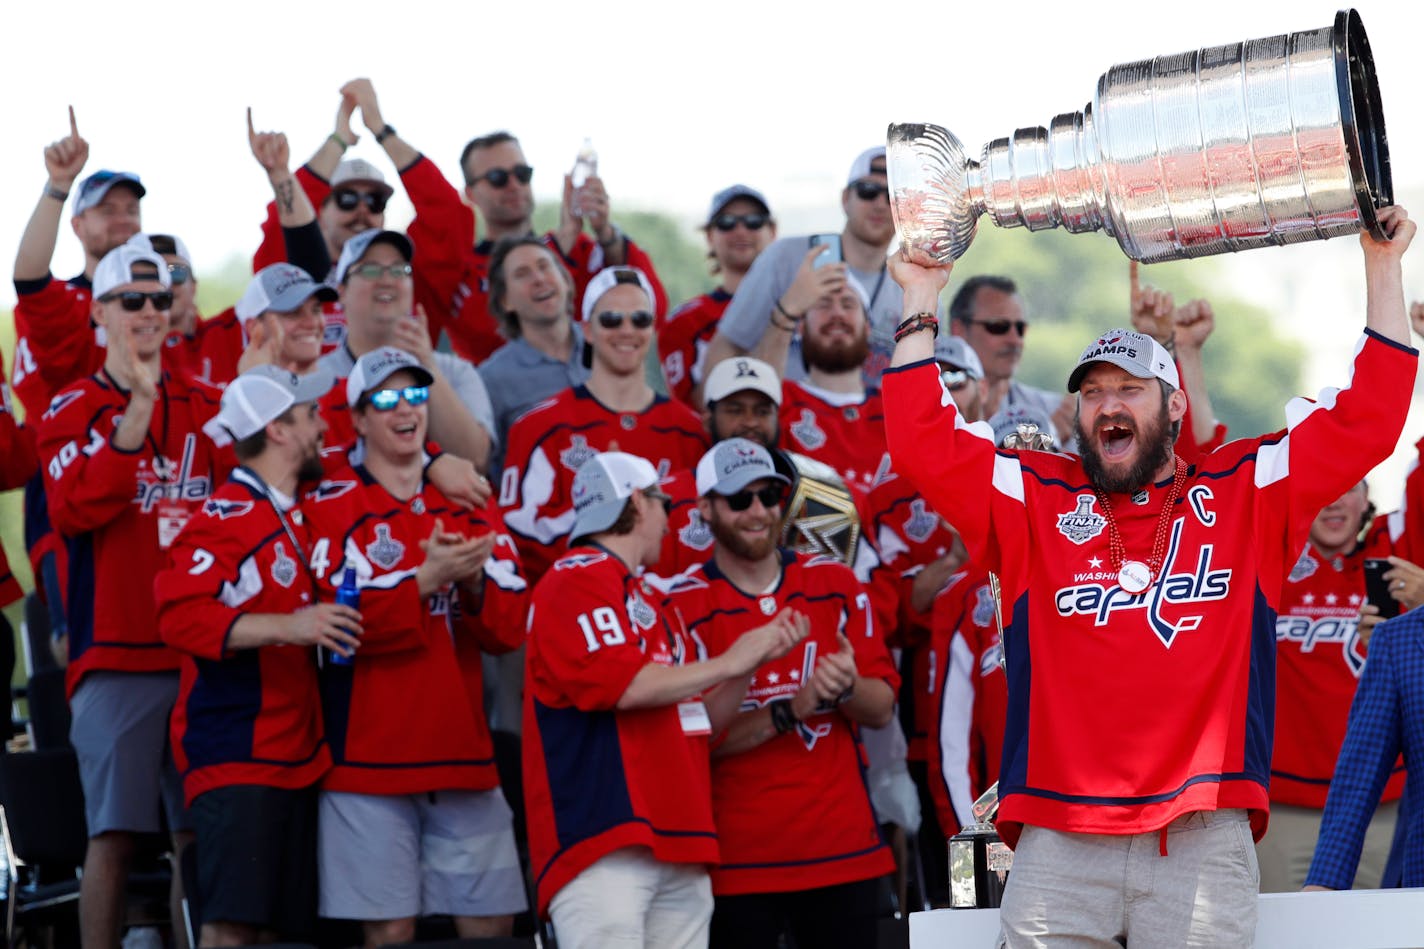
{"type": "Point", "coordinates": [1184, 685]}
{"type": "Point", "coordinates": [398, 716]}
{"type": "Point", "coordinates": [1319, 658]}
{"type": "Point", "coordinates": [846, 432]}
{"type": "Point", "coordinates": [549, 442]}
{"type": "Point", "coordinates": [597, 779]}
{"type": "Point", "coordinates": [19, 462]}
{"type": "Point", "coordinates": [968, 696]}
{"type": "Point", "coordinates": [793, 813]}
{"type": "Point", "coordinates": [250, 716]}
{"type": "Point", "coordinates": [120, 511]}
{"type": "Point", "coordinates": [683, 342]}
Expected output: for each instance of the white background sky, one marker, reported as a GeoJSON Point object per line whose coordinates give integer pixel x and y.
{"type": "Point", "coordinates": [680, 99]}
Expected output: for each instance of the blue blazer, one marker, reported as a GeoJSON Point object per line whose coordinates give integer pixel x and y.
{"type": "Point", "coordinates": [1386, 718]}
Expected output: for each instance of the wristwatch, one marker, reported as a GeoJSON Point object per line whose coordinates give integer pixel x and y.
{"type": "Point", "coordinates": [386, 132]}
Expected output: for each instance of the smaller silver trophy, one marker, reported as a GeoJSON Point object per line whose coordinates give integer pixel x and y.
{"type": "Point", "coordinates": [979, 861]}
{"type": "Point", "coordinates": [1256, 144]}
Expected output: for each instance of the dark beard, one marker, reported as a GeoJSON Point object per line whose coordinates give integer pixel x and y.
{"type": "Point", "coordinates": [835, 358]}
{"type": "Point", "coordinates": [1155, 444]}
{"type": "Point", "coordinates": [311, 469]}
{"type": "Point", "coordinates": [739, 546]}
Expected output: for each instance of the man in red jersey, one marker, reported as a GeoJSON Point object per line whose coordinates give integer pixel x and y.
{"type": "Point", "coordinates": [1320, 654]}
{"type": "Point", "coordinates": [739, 226]}
{"type": "Point", "coordinates": [412, 820]}
{"type": "Point", "coordinates": [616, 408]}
{"type": "Point", "coordinates": [830, 415]}
{"type": "Point", "coordinates": [802, 852]}
{"type": "Point", "coordinates": [126, 464]}
{"type": "Point", "coordinates": [238, 601]}
{"type": "Point", "coordinates": [1141, 657]}
{"type": "Point", "coordinates": [616, 719]}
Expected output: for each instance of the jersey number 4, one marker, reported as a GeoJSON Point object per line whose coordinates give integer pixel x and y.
{"type": "Point", "coordinates": [604, 630]}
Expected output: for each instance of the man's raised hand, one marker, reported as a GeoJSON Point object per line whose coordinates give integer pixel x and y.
{"type": "Point", "coordinates": [65, 159]}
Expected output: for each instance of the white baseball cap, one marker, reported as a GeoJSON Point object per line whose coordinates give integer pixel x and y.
{"type": "Point", "coordinates": [739, 374]}
{"type": "Point", "coordinates": [116, 269]}
{"type": "Point", "coordinates": [602, 486]}
{"type": "Point", "coordinates": [956, 351]}
{"type": "Point", "coordinates": [254, 399]}
{"type": "Point", "coordinates": [861, 166]}
{"type": "Point", "coordinates": [163, 244]}
{"type": "Point", "coordinates": [359, 169]}
{"type": "Point", "coordinates": [610, 277]}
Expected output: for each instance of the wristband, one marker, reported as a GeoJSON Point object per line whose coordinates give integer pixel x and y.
{"type": "Point", "coordinates": [915, 323]}
{"type": "Point", "coordinates": [783, 719]}
{"type": "Point", "coordinates": [794, 319]}
{"type": "Point", "coordinates": [341, 143]}
{"type": "Point", "coordinates": [52, 192]}
{"type": "Point", "coordinates": [386, 132]}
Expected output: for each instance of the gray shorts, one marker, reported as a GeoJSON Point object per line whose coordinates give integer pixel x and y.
{"type": "Point", "coordinates": [119, 730]}
{"type": "Point", "coordinates": [399, 856]}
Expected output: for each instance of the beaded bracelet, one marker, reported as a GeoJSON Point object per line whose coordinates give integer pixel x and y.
{"type": "Point", "coordinates": [341, 143]}
{"type": "Point", "coordinates": [915, 323]}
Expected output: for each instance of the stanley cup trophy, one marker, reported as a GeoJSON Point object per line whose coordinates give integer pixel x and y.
{"type": "Point", "coordinates": [1270, 141]}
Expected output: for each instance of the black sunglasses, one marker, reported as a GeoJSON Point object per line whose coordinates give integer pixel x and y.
{"type": "Point", "coordinates": [1000, 327]}
{"type": "Point", "coordinates": [133, 300]}
{"type": "Point", "coordinates": [180, 273]}
{"type": "Point", "coordinates": [752, 222]}
{"type": "Point", "coordinates": [348, 200]}
{"type": "Point", "coordinates": [611, 320]}
{"type": "Point", "coordinates": [870, 190]}
{"type": "Point", "coordinates": [499, 177]}
{"type": "Point", "coordinates": [770, 496]}
{"type": "Point", "coordinates": [653, 494]}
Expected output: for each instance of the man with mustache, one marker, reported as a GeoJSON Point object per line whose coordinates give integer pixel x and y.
{"type": "Point", "coordinates": [1143, 592]}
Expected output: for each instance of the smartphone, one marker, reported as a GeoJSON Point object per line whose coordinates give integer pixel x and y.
{"type": "Point", "coordinates": [832, 252]}
{"type": "Point", "coordinates": [1377, 587]}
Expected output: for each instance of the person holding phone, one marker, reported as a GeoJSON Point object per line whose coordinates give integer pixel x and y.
{"type": "Point", "coordinates": [1320, 655]}
{"type": "Point", "coordinates": [794, 273]}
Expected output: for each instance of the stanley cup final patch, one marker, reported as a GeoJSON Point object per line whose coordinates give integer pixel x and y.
{"type": "Point", "coordinates": [1082, 524]}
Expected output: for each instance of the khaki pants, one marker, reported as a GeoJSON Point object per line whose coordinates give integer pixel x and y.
{"type": "Point", "coordinates": [628, 900]}
{"type": "Point", "coordinates": [1100, 890]}
{"type": "Point", "coordinates": [1289, 844]}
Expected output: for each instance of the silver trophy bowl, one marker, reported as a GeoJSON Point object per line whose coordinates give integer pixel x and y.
{"type": "Point", "coordinates": [1255, 144]}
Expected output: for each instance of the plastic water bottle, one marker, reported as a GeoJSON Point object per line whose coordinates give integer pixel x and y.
{"type": "Point", "coordinates": [585, 167]}
{"type": "Point", "coordinates": [348, 594]}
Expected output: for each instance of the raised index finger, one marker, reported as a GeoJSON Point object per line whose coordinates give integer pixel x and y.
{"type": "Point", "coordinates": [251, 132]}
{"type": "Point", "coordinates": [73, 125]}
{"type": "Point", "coordinates": [1132, 277]}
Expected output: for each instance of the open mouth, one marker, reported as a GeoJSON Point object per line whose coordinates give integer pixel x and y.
{"type": "Point", "coordinates": [1115, 441]}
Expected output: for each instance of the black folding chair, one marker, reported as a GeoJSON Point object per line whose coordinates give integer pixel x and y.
{"type": "Point", "coordinates": [43, 830]}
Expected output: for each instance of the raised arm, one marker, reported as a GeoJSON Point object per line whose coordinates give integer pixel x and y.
{"type": "Point", "coordinates": [64, 160]}
{"type": "Point", "coordinates": [1384, 279]}
{"type": "Point", "coordinates": [363, 93]}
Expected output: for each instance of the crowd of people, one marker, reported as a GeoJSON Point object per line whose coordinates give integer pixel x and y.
{"type": "Point", "coordinates": [771, 584]}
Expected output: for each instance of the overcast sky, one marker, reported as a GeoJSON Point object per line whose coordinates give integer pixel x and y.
{"type": "Point", "coordinates": [679, 99]}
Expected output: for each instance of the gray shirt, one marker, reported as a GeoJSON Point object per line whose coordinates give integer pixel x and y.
{"type": "Point", "coordinates": [749, 313]}
{"type": "Point", "coordinates": [520, 376]}
{"type": "Point", "coordinates": [462, 376]}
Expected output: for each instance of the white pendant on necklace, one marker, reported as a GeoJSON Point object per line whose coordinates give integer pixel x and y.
{"type": "Point", "coordinates": [1133, 576]}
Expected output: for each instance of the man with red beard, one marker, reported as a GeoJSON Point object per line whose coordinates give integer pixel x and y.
{"type": "Point", "coordinates": [801, 848]}
{"type": "Point", "coordinates": [831, 416]}
{"type": "Point", "coordinates": [1144, 594]}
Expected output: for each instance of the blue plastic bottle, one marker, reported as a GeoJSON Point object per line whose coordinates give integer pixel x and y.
{"type": "Point", "coordinates": [348, 594]}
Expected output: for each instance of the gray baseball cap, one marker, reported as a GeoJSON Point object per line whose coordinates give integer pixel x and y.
{"type": "Point", "coordinates": [355, 248]}
{"type": "Point", "coordinates": [379, 365]}
{"type": "Point", "coordinates": [726, 196]}
{"type": "Point", "coordinates": [1006, 422]}
{"type": "Point", "coordinates": [602, 487]}
{"type": "Point", "coordinates": [281, 287]}
{"type": "Point", "coordinates": [956, 351]}
{"type": "Point", "coordinates": [733, 464]}
{"type": "Point", "coordinates": [1130, 351]}
{"type": "Point", "coordinates": [258, 396]}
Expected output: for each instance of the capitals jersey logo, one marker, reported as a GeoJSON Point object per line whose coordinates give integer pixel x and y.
{"type": "Point", "coordinates": [1304, 567]}
{"type": "Point", "coordinates": [331, 489]}
{"type": "Point", "coordinates": [284, 568]}
{"type": "Point", "coordinates": [385, 551]}
{"type": "Point", "coordinates": [58, 403]}
{"type": "Point", "coordinates": [696, 534]}
{"type": "Point", "coordinates": [219, 508]}
{"type": "Point", "coordinates": [176, 484]}
{"type": "Point", "coordinates": [807, 432]}
{"type": "Point", "coordinates": [921, 523]}
{"type": "Point", "coordinates": [577, 453]}
{"type": "Point", "coordinates": [1082, 524]}
{"type": "Point", "coordinates": [1202, 584]}
{"type": "Point", "coordinates": [574, 561]}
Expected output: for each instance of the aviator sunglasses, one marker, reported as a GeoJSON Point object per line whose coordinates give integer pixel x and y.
{"type": "Point", "coordinates": [499, 177]}
{"type": "Point", "coordinates": [132, 300]}
{"type": "Point", "coordinates": [770, 496]}
{"type": "Point", "coordinates": [383, 400]}
{"type": "Point", "coordinates": [348, 200]}
{"type": "Point", "coordinates": [870, 190]}
{"type": "Point", "coordinates": [1000, 327]}
{"type": "Point", "coordinates": [752, 222]}
{"type": "Point", "coordinates": [611, 320]}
